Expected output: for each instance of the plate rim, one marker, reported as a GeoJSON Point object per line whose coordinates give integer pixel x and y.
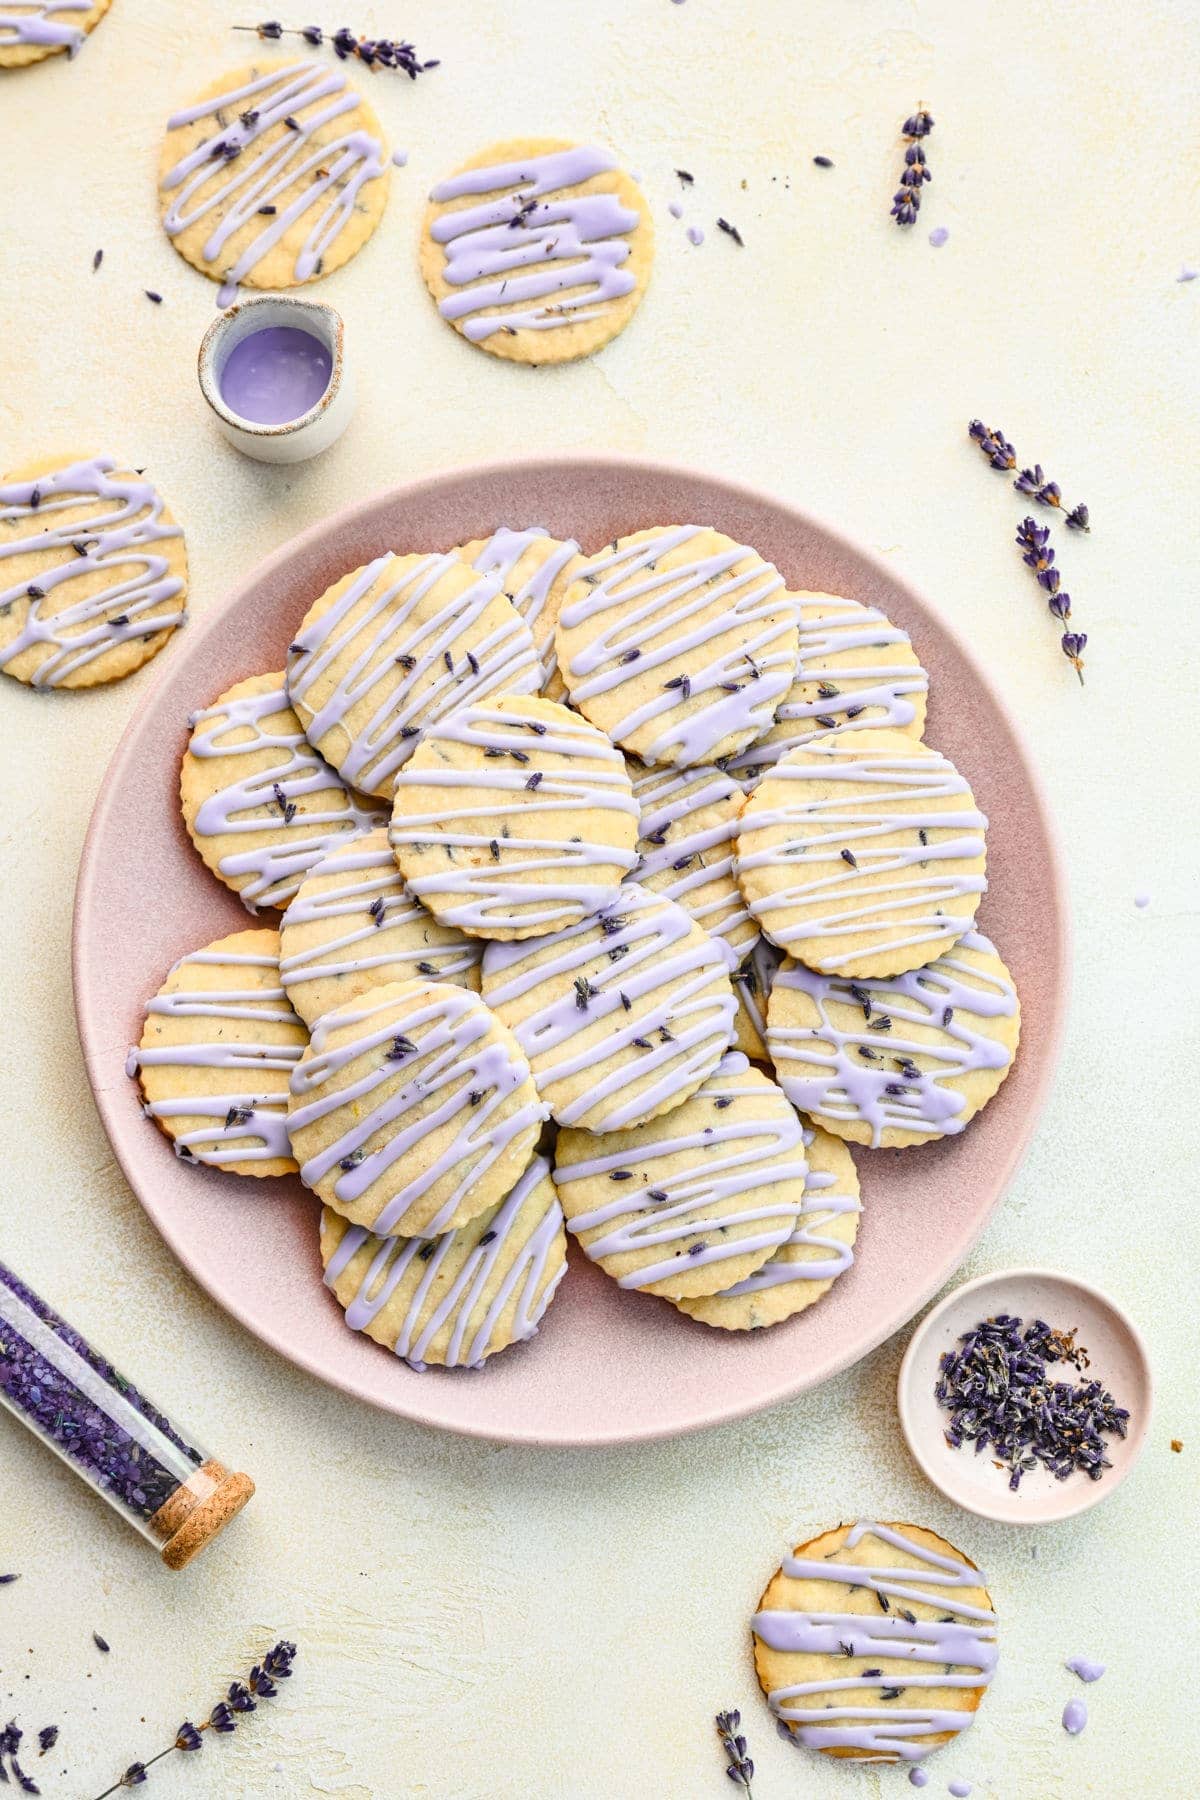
{"type": "Point", "coordinates": [497, 470]}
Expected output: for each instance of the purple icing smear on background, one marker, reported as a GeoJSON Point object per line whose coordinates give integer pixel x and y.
{"type": "Point", "coordinates": [72, 1422]}
{"type": "Point", "coordinates": [1084, 1667]}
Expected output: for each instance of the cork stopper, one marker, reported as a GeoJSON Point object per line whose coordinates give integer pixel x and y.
{"type": "Point", "coordinates": [198, 1511]}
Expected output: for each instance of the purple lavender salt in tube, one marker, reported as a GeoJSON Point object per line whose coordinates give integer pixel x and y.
{"type": "Point", "coordinates": [172, 1492]}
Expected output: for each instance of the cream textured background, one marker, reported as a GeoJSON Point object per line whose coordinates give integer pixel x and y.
{"type": "Point", "coordinates": [475, 1621]}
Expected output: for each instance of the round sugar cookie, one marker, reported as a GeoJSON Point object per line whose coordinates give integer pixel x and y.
{"type": "Point", "coordinates": [621, 1015]}
{"type": "Point", "coordinates": [538, 249]}
{"type": "Point", "coordinates": [93, 572]}
{"type": "Point", "coordinates": [277, 174]}
{"type": "Point", "coordinates": [457, 1299]}
{"type": "Point", "coordinates": [218, 1047]}
{"type": "Point", "coordinates": [695, 1200]}
{"type": "Point", "coordinates": [353, 925]}
{"type": "Point", "coordinates": [31, 30]}
{"type": "Point", "coordinates": [856, 670]}
{"type": "Point", "coordinates": [751, 989]}
{"type": "Point", "coordinates": [260, 805]}
{"type": "Point", "coordinates": [809, 1261]}
{"type": "Point", "coordinates": [514, 817]}
{"type": "Point", "coordinates": [678, 643]}
{"type": "Point", "coordinates": [534, 571]}
{"type": "Point", "coordinates": [395, 645]}
{"type": "Point", "coordinates": [898, 1061]}
{"type": "Point", "coordinates": [862, 853]}
{"type": "Point", "coordinates": [875, 1642]}
{"type": "Point", "coordinates": [689, 822]}
{"type": "Point", "coordinates": [412, 1110]}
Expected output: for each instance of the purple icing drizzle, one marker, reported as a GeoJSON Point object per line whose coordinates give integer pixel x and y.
{"type": "Point", "coordinates": [831, 626]}
{"type": "Point", "coordinates": [253, 1123]}
{"type": "Point", "coordinates": [500, 556]}
{"type": "Point", "coordinates": [428, 1311]}
{"type": "Point", "coordinates": [693, 859]}
{"type": "Point", "coordinates": [820, 1206]}
{"type": "Point", "coordinates": [640, 618]}
{"type": "Point", "coordinates": [373, 903]}
{"type": "Point", "coordinates": [379, 618]}
{"type": "Point", "coordinates": [497, 890]}
{"type": "Point", "coordinates": [339, 167]}
{"type": "Point", "coordinates": [526, 239]}
{"type": "Point", "coordinates": [841, 1083]}
{"type": "Point", "coordinates": [457, 1061]}
{"type": "Point", "coordinates": [270, 874]}
{"type": "Point", "coordinates": [40, 28]}
{"type": "Point", "coordinates": [640, 949]}
{"type": "Point", "coordinates": [118, 540]}
{"type": "Point", "coordinates": [749, 1156]}
{"type": "Point", "coordinates": [830, 849]}
{"type": "Point", "coordinates": [963, 1646]}
{"type": "Point", "coordinates": [755, 981]}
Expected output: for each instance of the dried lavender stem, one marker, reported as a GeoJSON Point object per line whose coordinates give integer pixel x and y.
{"type": "Point", "coordinates": [1032, 482]}
{"type": "Point", "coordinates": [906, 201]}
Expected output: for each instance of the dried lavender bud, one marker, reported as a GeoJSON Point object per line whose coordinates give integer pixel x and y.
{"type": "Point", "coordinates": [221, 1719]}
{"type": "Point", "coordinates": [48, 1737]}
{"type": "Point", "coordinates": [1073, 643]}
{"type": "Point", "coordinates": [1048, 493]}
{"type": "Point", "coordinates": [823, 162]}
{"type": "Point", "coordinates": [400, 1048]}
{"type": "Point", "coordinates": [97, 260]}
{"type": "Point", "coordinates": [5, 1579]}
{"type": "Point", "coordinates": [906, 201]}
{"type": "Point", "coordinates": [188, 1738]}
{"type": "Point", "coordinates": [151, 295]}
{"type": "Point", "coordinates": [686, 178]}
{"type": "Point", "coordinates": [994, 444]}
{"type": "Point", "coordinates": [997, 1391]}
{"type": "Point", "coordinates": [731, 231]}
{"type": "Point", "coordinates": [134, 1776]}
{"type": "Point", "coordinates": [583, 992]}
{"type": "Point", "coordinates": [100, 1643]}
{"type": "Point", "coordinates": [740, 1768]}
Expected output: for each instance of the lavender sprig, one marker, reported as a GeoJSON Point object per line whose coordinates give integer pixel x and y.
{"type": "Point", "coordinates": [740, 1769]}
{"type": "Point", "coordinates": [1033, 541]}
{"type": "Point", "coordinates": [374, 53]}
{"type": "Point", "coordinates": [906, 201]}
{"type": "Point", "coordinates": [240, 1697]}
{"type": "Point", "coordinates": [1031, 482]}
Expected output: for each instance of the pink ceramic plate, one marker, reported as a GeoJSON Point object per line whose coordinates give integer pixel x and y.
{"type": "Point", "coordinates": [607, 1367]}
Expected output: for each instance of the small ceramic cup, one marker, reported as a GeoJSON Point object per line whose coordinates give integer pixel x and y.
{"type": "Point", "coordinates": [314, 430]}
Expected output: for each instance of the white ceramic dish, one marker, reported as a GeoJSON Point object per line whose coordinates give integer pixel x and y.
{"type": "Point", "coordinates": [1119, 1361]}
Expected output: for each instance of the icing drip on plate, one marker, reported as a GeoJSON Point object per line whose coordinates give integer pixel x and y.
{"type": "Point", "coordinates": [248, 724]}
{"type": "Point", "coordinates": [524, 239]}
{"type": "Point", "coordinates": [855, 852]}
{"type": "Point", "coordinates": [957, 1649]}
{"type": "Point", "coordinates": [262, 150]}
{"type": "Point", "coordinates": [403, 643]}
{"type": "Point", "coordinates": [248, 1120]}
{"type": "Point", "coordinates": [118, 541]}
{"type": "Point", "coordinates": [678, 643]}
{"type": "Point", "coordinates": [890, 1054]}
{"type": "Point", "coordinates": [747, 1154]}
{"type": "Point", "coordinates": [834, 689]}
{"type": "Point", "coordinates": [446, 1280]}
{"type": "Point", "coordinates": [642, 972]}
{"type": "Point", "coordinates": [515, 865]}
{"type": "Point", "coordinates": [437, 1102]}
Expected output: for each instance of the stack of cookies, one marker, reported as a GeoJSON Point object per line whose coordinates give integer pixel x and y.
{"type": "Point", "coordinates": [618, 891]}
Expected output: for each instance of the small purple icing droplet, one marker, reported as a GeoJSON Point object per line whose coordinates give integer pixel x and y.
{"type": "Point", "coordinates": [938, 236]}
{"type": "Point", "coordinates": [1187, 273]}
{"type": "Point", "coordinates": [1141, 900]}
{"type": "Point", "coordinates": [1074, 1717]}
{"type": "Point", "coordinates": [919, 1777]}
{"type": "Point", "coordinates": [960, 1789]}
{"type": "Point", "coordinates": [695, 235]}
{"type": "Point", "coordinates": [675, 210]}
{"type": "Point", "coordinates": [400, 158]}
{"type": "Point", "coordinates": [1084, 1667]}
